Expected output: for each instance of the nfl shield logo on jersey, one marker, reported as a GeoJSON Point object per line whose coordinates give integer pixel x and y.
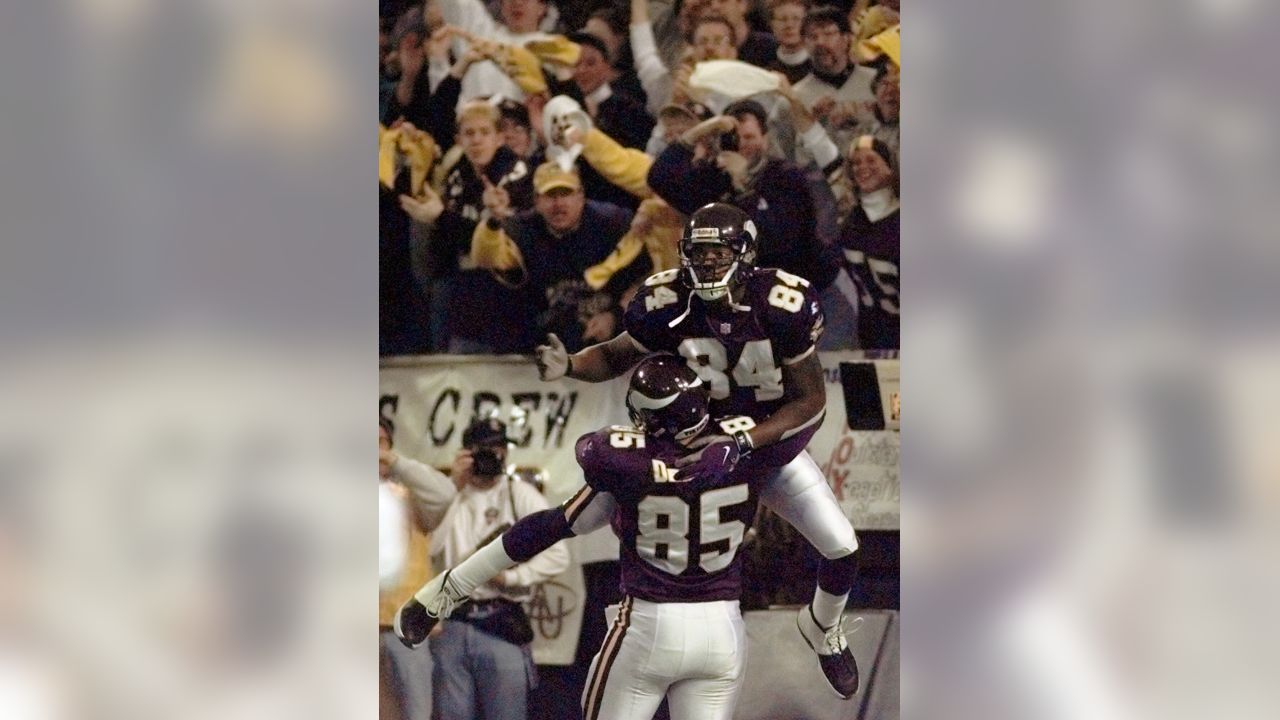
{"type": "Point", "coordinates": [725, 328]}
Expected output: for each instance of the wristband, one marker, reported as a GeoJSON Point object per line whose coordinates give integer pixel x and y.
{"type": "Point", "coordinates": [745, 446]}
{"type": "Point", "coordinates": [568, 370]}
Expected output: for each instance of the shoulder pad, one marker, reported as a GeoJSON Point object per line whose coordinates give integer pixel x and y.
{"type": "Point", "coordinates": [663, 277]}
{"type": "Point", "coordinates": [595, 450]}
{"type": "Point", "coordinates": [787, 278]}
{"type": "Point", "coordinates": [649, 312]}
{"type": "Point", "coordinates": [612, 456]}
{"type": "Point", "coordinates": [781, 292]}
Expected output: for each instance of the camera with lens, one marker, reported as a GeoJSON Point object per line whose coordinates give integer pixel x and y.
{"type": "Point", "coordinates": [482, 437]}
{"type": "Point", "coordinates": [729, 141]}
{"type": "Point", "coordinates": [486, 462]}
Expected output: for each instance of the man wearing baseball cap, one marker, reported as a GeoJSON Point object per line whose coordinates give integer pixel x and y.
{"type": "Point", "coordinates": [675, 119]}
{"type": "Point", "coordinates": [547, 252]}
{"type": "Point", "coordinates": [492, 630]}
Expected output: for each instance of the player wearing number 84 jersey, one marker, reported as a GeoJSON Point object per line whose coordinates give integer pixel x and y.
{"type": "Point", "coordinates": [738, 347]}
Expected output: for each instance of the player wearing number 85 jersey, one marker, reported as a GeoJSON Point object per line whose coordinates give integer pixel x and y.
{"type": "Point", "coordinates": [678, 631]}
{"type": "Point", "coordinates": [750, 334]}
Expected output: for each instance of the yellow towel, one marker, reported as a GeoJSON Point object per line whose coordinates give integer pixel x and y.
{"type": "Point", "coordinates": [522, 66]}
{"type": "Point", "coordinates": [663, 239]}
{"type": "Point", "coordinates": [658, 234]}
{"type": "Point", "coordinates": [873, 21]}
{"type": "Point", "coordinates": [625, 167]}
{"type": "Point", "coordinates": [556, 50]}
{"type": "Point", "coordinates": [888, 43]}
{"type": "Point", "coordinates": [416, 145]}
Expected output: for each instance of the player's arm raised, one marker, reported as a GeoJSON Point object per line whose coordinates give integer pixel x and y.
{"type": "Point", "coordinates": [600, 362]}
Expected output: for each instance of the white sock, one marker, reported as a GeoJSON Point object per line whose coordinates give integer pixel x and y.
{"type": "Point", "coordinates": [483, 565]}
{"type": "Point", "coordinates": [827, 608]}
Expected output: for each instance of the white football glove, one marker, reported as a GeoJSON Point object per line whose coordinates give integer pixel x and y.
{"type": "Point", "coordinates": [552, 359]}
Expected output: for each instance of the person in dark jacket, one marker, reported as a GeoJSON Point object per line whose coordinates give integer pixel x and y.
{"type": "Point", "coordinates": [772, 191]}
{"type": "Point", "coordinates": [549, 251]}
{"type": "Point", "coordinates": [469, 306]}
{"type": "Point", "coordinates": [413, 99]}
{"type": "Point", "coordinates": [618, 115]}
{"type": "Point", "coordinates": [869, 242]}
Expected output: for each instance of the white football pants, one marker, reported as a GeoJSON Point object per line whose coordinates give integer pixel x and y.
{"type": "Point", "coordinates": [799, 493]}
{"type": "Point", "coordinates": [694, 653]}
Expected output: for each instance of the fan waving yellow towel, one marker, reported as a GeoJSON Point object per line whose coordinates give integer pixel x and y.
{"type": "Point", "coordinates": [418, 148]}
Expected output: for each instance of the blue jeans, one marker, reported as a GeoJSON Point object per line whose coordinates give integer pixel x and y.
{"type": "Point", "coordinates": [476, 676]}
{"type": "Point", "coordinates": [411, 673]}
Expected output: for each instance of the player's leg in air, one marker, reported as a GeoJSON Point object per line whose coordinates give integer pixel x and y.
{"type": "Point", "coordinates": [799, 493]}
{"type": "Point", "coordinates": [585, 512]}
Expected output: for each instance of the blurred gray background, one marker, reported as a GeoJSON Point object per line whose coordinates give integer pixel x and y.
{"type": "Point", "coordinates": [1090, 360]}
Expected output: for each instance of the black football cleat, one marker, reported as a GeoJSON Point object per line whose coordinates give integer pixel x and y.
{"type": "Point", "coordinates": [834, 655]}
{"type": "Point", "coordinates": [413, 624]}
{"type": "Point", "coordinates": [418, 616]}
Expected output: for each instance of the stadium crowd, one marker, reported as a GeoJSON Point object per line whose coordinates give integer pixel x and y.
{"type": "Point", "coordinates": [538, 160]}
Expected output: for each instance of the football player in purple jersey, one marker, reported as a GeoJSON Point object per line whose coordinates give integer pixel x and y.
{"type": "Point", "coordinates": [678, 631]}
{"type": "Point", "coordinates": [750, 333]}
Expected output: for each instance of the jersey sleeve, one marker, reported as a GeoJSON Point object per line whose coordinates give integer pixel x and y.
{"type": "Point", "coordinates": [794, 317]}
{"type": "Point", "coordinates": [588, 510]}
{"type": "Point", "coordinates": [591, 458]}
{"type": "Point", "coordinates": [610, 456]}
{"type": "Point", "coordinates": [597, 460]}
{"type": "Point", "coordinates": [658, 302]}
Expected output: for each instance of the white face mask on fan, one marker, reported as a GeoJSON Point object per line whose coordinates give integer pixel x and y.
{"type": "Point", "coordinates": [564, 124]}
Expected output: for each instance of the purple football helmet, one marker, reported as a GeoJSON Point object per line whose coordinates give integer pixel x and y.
{"type": "Point", "coordinates": [724, 232]}
{"type": "Point", "coordinates": [667, 399]}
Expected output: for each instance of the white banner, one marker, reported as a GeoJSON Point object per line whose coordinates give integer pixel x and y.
{"type": "Point", "coordinates": [430, 401]}
{"type": "Point", "coordinates": [862, 465]}
{"type": "Point", "coordinates": [555, 611]}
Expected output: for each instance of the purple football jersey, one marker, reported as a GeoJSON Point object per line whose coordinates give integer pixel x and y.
{"type": "Point", "coordinates": [738, 353]}
{"type": "Point", "coordinates": [679, 540]}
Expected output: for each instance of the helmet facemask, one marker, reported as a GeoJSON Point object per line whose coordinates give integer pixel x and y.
{"type": "Point", "coordinates": [716, 249]}
{"type": "Point", "coordinates": [716, 276]}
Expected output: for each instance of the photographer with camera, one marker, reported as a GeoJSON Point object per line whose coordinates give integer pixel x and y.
{"type": "Point", "coordinates": [483, 667]}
